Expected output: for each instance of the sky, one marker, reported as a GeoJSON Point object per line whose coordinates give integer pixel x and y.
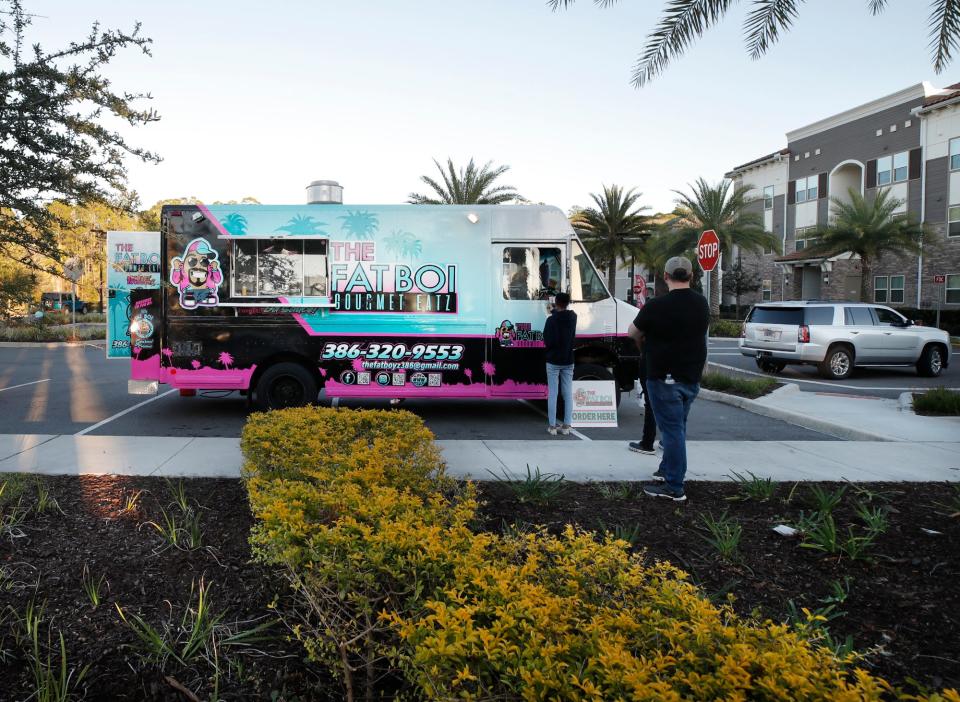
{"type": "Point", "coordinates": [258, 99]}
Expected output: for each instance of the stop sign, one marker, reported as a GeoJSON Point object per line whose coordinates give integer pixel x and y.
{"type": "Point", "coordinates": [708, 250]}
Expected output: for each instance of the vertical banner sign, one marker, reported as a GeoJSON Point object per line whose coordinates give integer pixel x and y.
{"type": "Point", "coordinates": [133, 262]}
{"type": "Point", "coordinates": [594, 403]}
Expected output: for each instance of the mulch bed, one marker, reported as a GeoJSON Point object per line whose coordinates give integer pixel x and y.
{"type": "Point", "coordinates": [906, 601]}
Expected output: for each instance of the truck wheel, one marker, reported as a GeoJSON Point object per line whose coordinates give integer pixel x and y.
{"type": "Point", "coordinates": [285, 385]}
{"type": "Point", "coordinates": [591, 371]}
{"type": "Point", "coordinates": [837, 364]}
{"type": "Point", "coordinates": [768, 366]}
{"type": "Point", "coordinates": [931, 361]}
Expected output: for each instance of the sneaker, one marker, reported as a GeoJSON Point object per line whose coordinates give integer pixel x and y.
{"type": "Point", "coordinates": [640, 447]}
{"type": "Point", "coordinates": [664, 491]}
{"type": "Point", "coordinates": [659, 476]}
{"type": "Point", "coordinates": [552, 430]}
{"type": "Point", "coordinates": [565, 429]}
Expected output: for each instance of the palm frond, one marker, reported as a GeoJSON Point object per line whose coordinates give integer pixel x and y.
{"type": "Point", "coordinates": [765, 22]}
{"type": "Point", "coordinates": [564, 4]}
{"type": "Point", "coordinates": [944, 32]}
{"type": "Point", "coordinates": [466, 186]}
{"type": "Point", "coordinates": [877, 6]}
{"type": "Point", "coordinates": [681, 23]}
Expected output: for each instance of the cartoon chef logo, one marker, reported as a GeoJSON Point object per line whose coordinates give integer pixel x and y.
{"type": "Point", "coordinates": [505, 333]}
{"type": "Point", "coordinates": [197, 275]}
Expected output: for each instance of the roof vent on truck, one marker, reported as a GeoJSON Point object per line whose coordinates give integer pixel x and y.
{"type": "Point", "coordinates": [324, 192]}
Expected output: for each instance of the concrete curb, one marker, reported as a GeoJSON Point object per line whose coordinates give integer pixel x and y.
{"type": "Point", "coordinates": [801, 420]}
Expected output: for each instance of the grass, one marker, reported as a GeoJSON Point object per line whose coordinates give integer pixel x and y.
{"type": "Point", "coordinates": [937, 402]}
{"type": "Point", "coordinates": [536, 488]}
{"type": "Point", "coordinates": [92, 586]}
{"type": "Point", "coordinates": [750, 388]}
{"type": "Point", "coordinates": [825, 501]}
{"type": "Point", "coordinates": [723, 533]}
{"type": "Point", "coordinates": [754, 488]}
{"type": "Point", "coordinates": [41, 334]}
{"type": "Point", "coordinates": [615, 491]}
{"type": "Point", "coordinates": [624, 532]}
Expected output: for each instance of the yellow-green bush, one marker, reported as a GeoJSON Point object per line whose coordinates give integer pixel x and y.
{"type": "Point", "coordinates": [390, 579]}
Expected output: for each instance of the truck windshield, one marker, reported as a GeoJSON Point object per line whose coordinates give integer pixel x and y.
{"type": "Point", "coordinates": [585, 284]}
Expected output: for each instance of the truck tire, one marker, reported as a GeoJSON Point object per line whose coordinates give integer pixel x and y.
{"type": "Point", "coordinates": [837, 364]}
{"type": "Point", "coordinates": [768, 366]}
{"type": "Point", "coordinates": [931, 361]}
{"type": "Point", "coordinates": [285, 385]}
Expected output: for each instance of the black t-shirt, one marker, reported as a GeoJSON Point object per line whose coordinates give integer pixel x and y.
{"type": "Point", "coordinates": [675, 330]}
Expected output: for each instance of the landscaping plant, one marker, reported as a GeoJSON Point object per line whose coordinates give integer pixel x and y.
{"type": "Point", "coordinates": [754, 488]}
{"type": "Point", "coordinates": [398, 594]}
{"type": "Point", "coordinates": [536, 487]}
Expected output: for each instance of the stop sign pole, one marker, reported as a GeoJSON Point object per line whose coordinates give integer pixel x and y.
{"type": "Point", "coordinates": [708, 254]}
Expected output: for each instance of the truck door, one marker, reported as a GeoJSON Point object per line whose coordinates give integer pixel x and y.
{"type": "Point", "coordinates": [527, 276]}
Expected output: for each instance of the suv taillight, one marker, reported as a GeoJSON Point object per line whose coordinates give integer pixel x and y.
{"type": "Point", "coordinates": [803, 334]}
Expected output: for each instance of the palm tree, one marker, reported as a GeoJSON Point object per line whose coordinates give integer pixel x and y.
{"type": "Point", "coordinates": [468, 186]}
{"type": "Point", "coordinates": [611, 228]}
{"type": "Point", "coordinates": [685, 21]}
{"type": "Point", "coordinates": [868, 228]}
{"type": "Point", "coordinates": [724, 210]}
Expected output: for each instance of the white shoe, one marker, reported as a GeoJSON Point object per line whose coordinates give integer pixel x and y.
{"type": "Point", "coordinates": [565, 429]}
{"type": "Point", "coordinates": [552, 430]}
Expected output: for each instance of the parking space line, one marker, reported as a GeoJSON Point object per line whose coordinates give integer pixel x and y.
{"type": "Point", "coordinates": [544, 414]}
{"type": "Point", "coordinates": [829, 384]}
{"type": "Point", "coordinates": [23, 385]}
{"type": "Point", "coordinates": [120, 414]}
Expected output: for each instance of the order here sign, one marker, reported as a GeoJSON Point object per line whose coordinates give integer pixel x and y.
{"type": "Point", "coordinates": [594, 403]}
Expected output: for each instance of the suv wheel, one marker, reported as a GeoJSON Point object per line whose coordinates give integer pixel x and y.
{"type": "Point", "coordinates": [931, 362]}
{"type": "Point", "coordinates": [837, 364]}
{"type": "Point", "coordinates": [768, 366]}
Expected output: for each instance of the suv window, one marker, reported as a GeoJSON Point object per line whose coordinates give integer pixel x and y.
{"type": "Point", "coordinates": [819, 316]}
{"type": "Point", "coordinates": [776, 315]}
{"type": "Point", "coordinates": [858, 317]}
{"type": "Point", "coordinates": [885, 316]}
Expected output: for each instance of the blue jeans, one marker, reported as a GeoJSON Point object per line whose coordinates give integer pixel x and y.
{"type": "Point", "coordinates": [562, 375]}
{"type": "Point", "coordinates": [671, 405]}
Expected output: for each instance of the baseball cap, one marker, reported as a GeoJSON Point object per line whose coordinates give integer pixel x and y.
{"type": "Point", "coordinates": [679, 268]}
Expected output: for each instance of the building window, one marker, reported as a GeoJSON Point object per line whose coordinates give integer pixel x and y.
{"type": "Point", "coordinates": [806, 188]}
{"type": "Point", "coordinates": [273, 267]}
{"type": "Point", "coordinates": [953, 289]}
{"type": "Point", "coordinates": [888, 288]}
{"type": "Point", "coordinates": [767, 289]}
{"type": "Point", "coordinates": [955, 154]}
{"type": "Point", "coordinates": [954, 215]}
{"type": "Point", "coordinates": [768, 197]}
{"type": "Point", "coordinates": [805, 237]}
{"type": "Point", "coordinates": [893, 169]}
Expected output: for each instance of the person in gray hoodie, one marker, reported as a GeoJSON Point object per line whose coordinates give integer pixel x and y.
{"type": "Point", "coordinates": [559, 331]}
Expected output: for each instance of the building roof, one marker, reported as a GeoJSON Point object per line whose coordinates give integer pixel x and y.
{"type": "Point", "coordinates": [776, 155]}
{"type": "Point", "coordinates": [800, 255]}
{"type": "Point", "coordinates": [949, 93]}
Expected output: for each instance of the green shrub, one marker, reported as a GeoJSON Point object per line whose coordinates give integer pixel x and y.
{"type": "Point", "coordinates": [939, 401]}
{"type": "Point", "coordinates": [744, 387]}
{"type": "Point", "coordinates": [726, 328]}
{"type": "Point", "coordinates": [392, 583]}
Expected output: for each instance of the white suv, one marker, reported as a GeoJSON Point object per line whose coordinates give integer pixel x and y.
{"type": "Point", "coordinates": [837, 336]}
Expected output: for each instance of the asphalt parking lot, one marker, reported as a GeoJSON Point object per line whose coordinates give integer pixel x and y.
{"type": "Point", "coordinates": [887, 381]}
{"type": "Point", "coordinates": [70, 390]}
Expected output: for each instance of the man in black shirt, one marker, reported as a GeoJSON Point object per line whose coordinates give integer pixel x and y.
{"type": "Point", "coordinates": [673, 329]}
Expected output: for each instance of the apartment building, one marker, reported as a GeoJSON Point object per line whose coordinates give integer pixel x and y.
{"type": "Point", "coordinates": [907, 142]}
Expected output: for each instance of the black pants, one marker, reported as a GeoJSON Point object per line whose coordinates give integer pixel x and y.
{"type": "Point", "coordinates": [649, 421]}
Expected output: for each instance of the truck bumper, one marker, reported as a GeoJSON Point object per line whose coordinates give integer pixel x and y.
{"type": "Point", "coordinates": [807, 353]}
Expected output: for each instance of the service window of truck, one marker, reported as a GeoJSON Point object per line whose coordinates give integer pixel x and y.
{"type": "Point", "coordinates": [281, 302]}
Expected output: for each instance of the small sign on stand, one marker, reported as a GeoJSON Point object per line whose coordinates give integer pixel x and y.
{"type": "Point", "coordinates": [594, 403]}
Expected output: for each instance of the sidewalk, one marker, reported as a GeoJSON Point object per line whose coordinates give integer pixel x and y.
{"type": "Point", "coordinates": [576, 460]}
{"type": "Point", "coordinates": [854, 417]}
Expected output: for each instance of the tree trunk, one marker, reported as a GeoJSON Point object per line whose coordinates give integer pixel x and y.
{"type": "Point", "coordinates": [612, 278]}
{"type": "Point", "coordinates": [864, 278]}
{"type": "Point", "coordinates": [715, 293]}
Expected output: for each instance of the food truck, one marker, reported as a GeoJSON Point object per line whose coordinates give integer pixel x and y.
{"type": "Point", "coordinates": [384, 301]}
